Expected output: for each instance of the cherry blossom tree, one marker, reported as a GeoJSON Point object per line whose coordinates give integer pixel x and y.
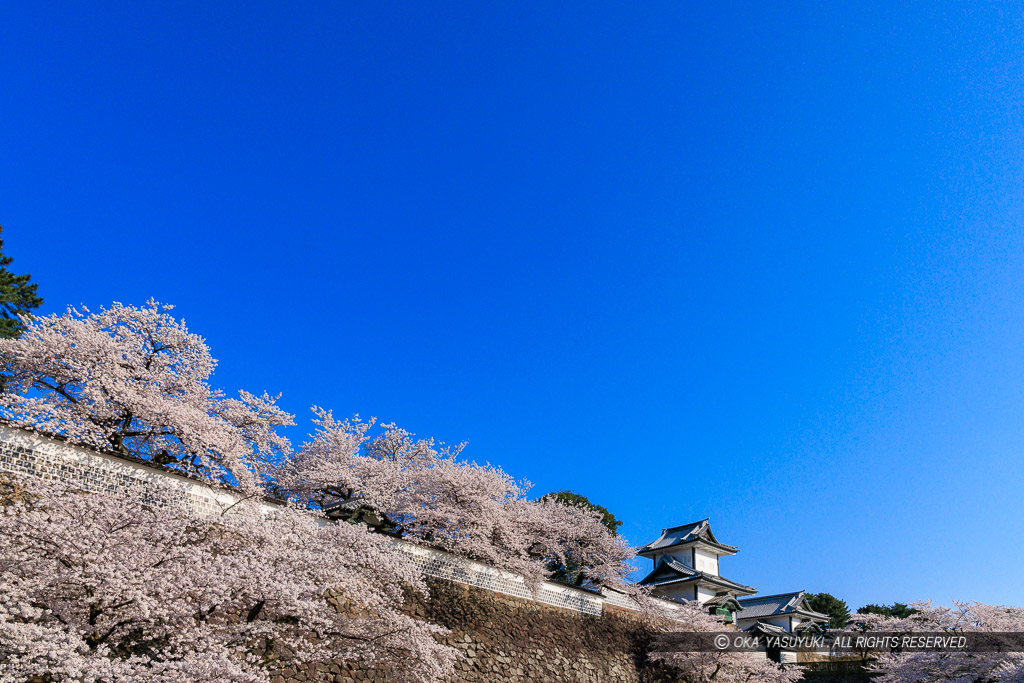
{"type": "Point", "coordinates": [427, 493]}
{"type": "Point", "coordinates": [135, 381]}
{"type": "Point", "coordinates": [717, 666]}
{"type": "Point", "coordinates": [961, 667]}
{"type": "Point", "coordinates": [100, 588]}
{"type": "Point", "coordinates": [574, 539]}
{"type": "Point", "coordinates": [570, 572]}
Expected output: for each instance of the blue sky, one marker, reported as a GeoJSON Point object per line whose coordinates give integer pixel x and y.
{"type": "Point", "coordinates": [759, 264]}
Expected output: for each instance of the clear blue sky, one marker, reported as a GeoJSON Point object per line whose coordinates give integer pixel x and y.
{"type": "Point", "coordinates": [764, 265]}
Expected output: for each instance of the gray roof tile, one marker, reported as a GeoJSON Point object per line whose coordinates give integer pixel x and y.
{"type": "Point", "coordinates": [672, 571]}
{"type": "Point", "coordinates": [770, 629]}
{"type": "Point", "coordinates": [775, 605]}
{"type": "Point", "coordinates": [686, 533]}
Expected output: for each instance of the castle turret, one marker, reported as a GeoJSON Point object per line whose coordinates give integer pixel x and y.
{"type": "Point", "coordinates": [686, 560]}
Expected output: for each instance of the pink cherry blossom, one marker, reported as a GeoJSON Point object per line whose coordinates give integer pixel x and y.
{"type": "Point", "coordinates": [427, 493]}
{"type": "Point", "coordinates": [100, 588]}
{"type": "Point", "coordinates": [135, 381]}
{"type": "Point", "coordinates": [952, 667]}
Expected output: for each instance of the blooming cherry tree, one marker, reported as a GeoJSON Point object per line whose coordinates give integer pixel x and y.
{"type": "Point", "coordinates": [574, 536]}
{"type": "Point", "coordinates": [100, 588]}
{"type": "Point", "coordinates": [417, 490]}
{"type": "Point", "coordinates": [962, 617]}
{"type": "Point", "coordinates": [135, 381]}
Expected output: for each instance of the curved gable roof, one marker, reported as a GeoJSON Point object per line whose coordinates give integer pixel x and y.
{"type": "Point", "coordinates": [671, 571]}
{"type": "Point", "coordinates": [684, 534]}
{"type": "Point", "coordinates": [778, 605]}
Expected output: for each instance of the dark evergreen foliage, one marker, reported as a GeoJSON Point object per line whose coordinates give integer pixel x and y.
{"type": "Point", "coordinates": [897, 610]}
{"type": "Point", "coordinates": [837, 610]}
{"type": "Point", "coordinates": [17, 296]}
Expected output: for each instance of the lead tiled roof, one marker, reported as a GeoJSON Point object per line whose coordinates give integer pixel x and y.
{"type": "Point", "coordinates": [722, 598]}
{"type": "Point", "coordinates": [672, 571]}
{"type": "Point", "coordinates": [686, 533]}
{"type": "Point", "coordinates": [769, 629]}
{"type": "Point", "coordinates": [776, 605]}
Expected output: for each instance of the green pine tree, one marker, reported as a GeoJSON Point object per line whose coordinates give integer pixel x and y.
{"type": "Point", "coordinates": [898, 610]}
{"type": "Point", "coordinates": [837, 610]}
{"type": "Point", "coordinates": [17, 296]}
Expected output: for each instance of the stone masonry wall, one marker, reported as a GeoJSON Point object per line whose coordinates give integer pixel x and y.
{"type": "Point", "coordinates": [506, 639]}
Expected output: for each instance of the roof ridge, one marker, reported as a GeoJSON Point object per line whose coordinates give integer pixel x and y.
{"type": "Point", "coordinates": [797, 597]}
{"type": "Point", "coordinates": [680, 526]}
{"type": "Point", "coordinates": [674, 563]}
{"type": "Point", "coordinates": [775, 595]}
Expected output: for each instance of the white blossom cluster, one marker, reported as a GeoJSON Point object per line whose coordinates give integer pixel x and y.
{"type": "Point", "coordinates": [429, 494]}
{"type": "Point", "coordinates": [135, 381]}
{"type": "Point", "coordinates": [947, 667]}
{"type": "Point", "coordinates": [100, 588]}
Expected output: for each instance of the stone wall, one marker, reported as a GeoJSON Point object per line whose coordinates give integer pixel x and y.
{"type": "Point", "coordinates": [509, 639]}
